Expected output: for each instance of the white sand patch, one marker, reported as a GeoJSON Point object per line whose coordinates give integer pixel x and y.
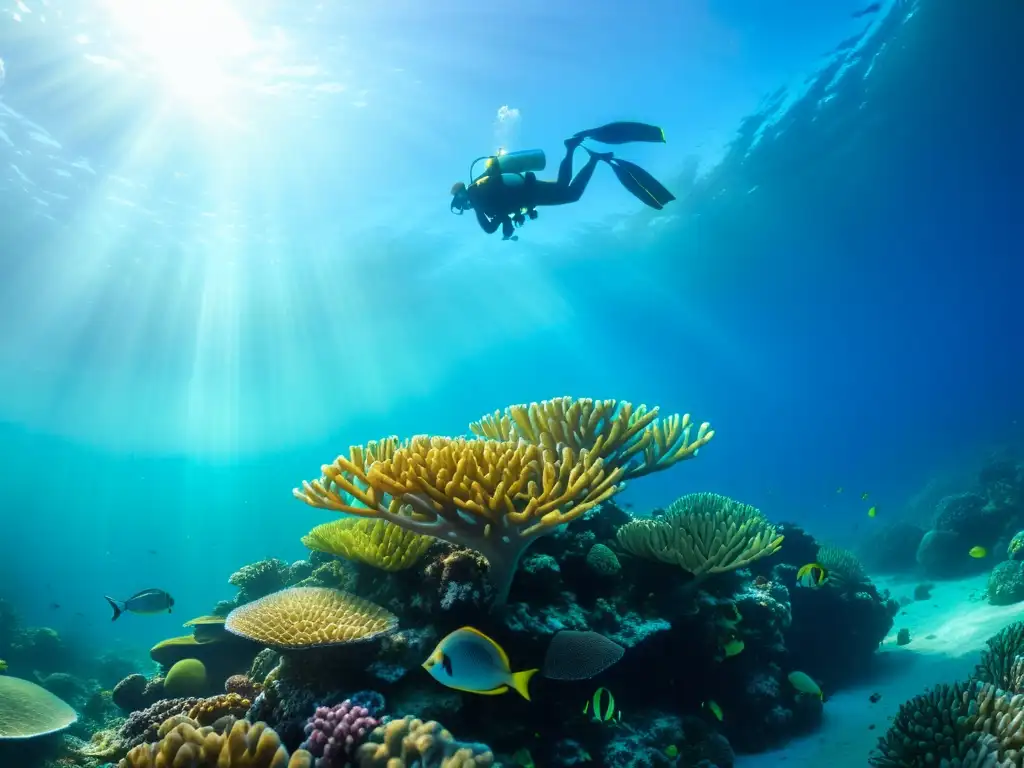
{"type": "Point", "coordinates": [947, 634]}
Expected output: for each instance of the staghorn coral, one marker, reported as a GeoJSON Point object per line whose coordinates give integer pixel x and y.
{"type": "Point", "coordinates": [997, 661]}
{"type": "Point", "coordinates": [493, 497]}
{"type": "Point", "coordinates": [374, 542]}
{"type": "Point", "coordinates": [973, 725]}
{"type": "Point", "coordinates": [244, 746]}
{"type": "Point", "coordinates": [842, 564]}
{"type": "Point", "coordinates": [412, 743]}
{"type": "Point", "coordinates": [333, 733]}
{"type": "Point", "coordinates": [633, 439]}
{"type": "Point", "coordinates": [310, 617]}
{"type": "Point", "coordinates": [703, 533]}
{"type": "Point", "coordinates": [208, 711]}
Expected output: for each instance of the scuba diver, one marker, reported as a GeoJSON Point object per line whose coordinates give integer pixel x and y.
{"type": "Point", "coordinates": [508, 191]}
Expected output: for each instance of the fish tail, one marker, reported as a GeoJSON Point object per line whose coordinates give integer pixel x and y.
{"type": "Point", "coordinates": [115, 606]}
{"type": "Point", "coordinates": [521, 682]}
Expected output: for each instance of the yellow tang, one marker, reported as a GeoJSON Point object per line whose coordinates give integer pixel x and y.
{"type": "Point", "coordinates": [977, 552]}
{"type": "Point", "coordinates": [873, 511]}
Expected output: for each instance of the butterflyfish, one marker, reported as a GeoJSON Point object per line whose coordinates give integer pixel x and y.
{"type": "Point", "coordinates": [601, 706]}
{"type": "Point", "coordinates": [977, 552]}
{"type": "Point", "coordinates": [147, 601]}
{"type": "Point", "coordinates": [468, 660]}
{"type": "Point", "coordinates": [811, 575]}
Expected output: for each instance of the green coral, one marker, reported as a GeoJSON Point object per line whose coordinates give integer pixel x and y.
{"type": "Point", "coordinates": [377, 543]}
{"type": "Point", "coordinates": [702, 533]}
{"type": "Point", "coordinates": [186, 678]}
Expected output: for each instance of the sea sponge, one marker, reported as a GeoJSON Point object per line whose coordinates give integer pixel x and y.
{"type": "Point", "coordinates": [634, 439]}
{"type": "Point", "coordinates": [208, 711]}
{"type": "Point", "coordinates": [245, 746]}
{"type": "Point", "coordinates": [997, 661]}
{"type": "Point", "coordinates": [842, 564]}
{"type": "Point", "coordinates": [310, 617]}
{"type": "Point", "coordinates": [703, 533]}
{"type": "Point", "coordinates": [378, 543]}
{"type": "Point", "coordinates": [28, 710]}
{"type": "Point", "coordinates": [412, 743]}
{"type": "Point", "coordinates": [186, 678]}
{"type": "Point", "coordinates": [965, 724]}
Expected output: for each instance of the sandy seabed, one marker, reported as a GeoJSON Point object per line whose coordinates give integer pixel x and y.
{"type": "Point", "coordinates": [948, 632]}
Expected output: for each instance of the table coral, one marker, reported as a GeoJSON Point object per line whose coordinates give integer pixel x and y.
{"type": "Point", "coordinates": [28, 710]}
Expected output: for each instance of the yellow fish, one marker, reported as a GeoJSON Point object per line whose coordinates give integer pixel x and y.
{"type": "Point", "coordinates": [873, 511]}
{"type": "Point", "coordinates": [468, 660]}
{"type": "Point", "coordinates": [715, 710]}
{"type": "Point", "coordinates": [811, 575]}
{"type": "Point", "coordinates": [804, 684]}
{"type": "Point", "coordinates": [977, 552]}
{"type": "Point", "coordinates": [864, 496]}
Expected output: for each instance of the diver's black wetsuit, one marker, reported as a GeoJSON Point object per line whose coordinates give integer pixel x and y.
{"type": "Point", "coordinates": [494, 201]}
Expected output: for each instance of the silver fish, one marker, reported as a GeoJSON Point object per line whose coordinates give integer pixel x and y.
{"type": "Point", "coordinates": [146, 601]}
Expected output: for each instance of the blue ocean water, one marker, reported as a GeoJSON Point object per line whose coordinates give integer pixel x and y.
{"type": "Point", "coordinates": [226, 255]}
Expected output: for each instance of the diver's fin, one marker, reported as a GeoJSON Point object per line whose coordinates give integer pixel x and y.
{"type": "Point", "coordinates": [645, 187]}
{"type": "Point", "coordinates": [115, 606]}
{"type": "Point", "coordinates": [521, 682]}
{"type": "Point", "coordinates": [624, 133]}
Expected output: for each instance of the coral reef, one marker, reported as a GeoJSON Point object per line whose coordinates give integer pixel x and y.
{"type": "Point", "coordinates": [410, 742]}
{"type": "Point", "coordinates": [28, 710]}
{"type": "Point", "coordinates": [377, 543]}
{"type": "Point", "coordinates": [1006, 583]}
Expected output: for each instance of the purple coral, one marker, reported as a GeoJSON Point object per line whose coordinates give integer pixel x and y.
{"type": "Point", "coordinates": [333, 733]}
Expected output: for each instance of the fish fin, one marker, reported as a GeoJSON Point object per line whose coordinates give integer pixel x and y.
{"type": "Point", "coordinates": [521, 682]}
{"type": "Point", "coordinates": [493, 692]}
{"type": "Point", "coordinates": [501, 651]}
{"type": "Point", "coordinates": [623, 132]}
{"type": "Point", "coordinates": [652, 188]}
{"type": "Point", "coordinates": [115, 606]}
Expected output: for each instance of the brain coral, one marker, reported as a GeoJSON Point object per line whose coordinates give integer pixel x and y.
{"type": "Point", "coordinates": [28, 710]}
{"type": "Point", "coordinates": [186, 678]}
{"type": "Point", "coordinates": [310, 617]}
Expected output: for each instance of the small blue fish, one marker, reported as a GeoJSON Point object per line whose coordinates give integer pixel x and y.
{"type": "Point", "coordinates": [468, 660]}
{"type": "Point", "coordinates": [601, 707]}
{"type": "Point", "coordinates": [144, 602]}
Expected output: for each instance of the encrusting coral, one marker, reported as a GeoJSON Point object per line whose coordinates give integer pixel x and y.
{"type": "Point", "coordinates": [310, 617]}
{"type": "Point", "coordinates": [373, 542]}
{"type": "Point", "coordinates": [702, 533]}
{"type": "Point", "coordinates": [244, 746]}
{"type": "Point", "coordinates": [535, 468]}
{"type": "Point", "coordinates": [410, 742]}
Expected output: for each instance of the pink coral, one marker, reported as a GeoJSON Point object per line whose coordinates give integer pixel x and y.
{"type": "Point", "coordinates": [333, 733]}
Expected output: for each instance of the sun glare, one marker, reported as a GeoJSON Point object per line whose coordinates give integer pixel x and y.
{"type": "Point", "coordinates": [194, 46]}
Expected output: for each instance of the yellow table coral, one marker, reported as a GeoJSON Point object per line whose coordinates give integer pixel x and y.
{"type": "Point", "coordinates": [529, 471]}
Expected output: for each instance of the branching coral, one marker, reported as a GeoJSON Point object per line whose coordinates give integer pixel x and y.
{"type": "Point", "coordinates": [493, 497]}
{"type": "Point", "coordinates": [634, 439]}
{"type": "Point", "coordinates": [411, 742]}
{"type": "Point", "coordinates": [997, 665]}
{"type": "Point", "coordinates": [973, 725]}
{"type": "Point", "coordinates": [703, 533]}
{"type": "Point", "coordinates": [373, 542]}
{"type": "Point", "coordinates": [244, 746]}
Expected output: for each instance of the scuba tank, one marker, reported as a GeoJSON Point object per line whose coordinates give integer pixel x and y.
{"type": "Point", "coordinates": [524, 161]}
